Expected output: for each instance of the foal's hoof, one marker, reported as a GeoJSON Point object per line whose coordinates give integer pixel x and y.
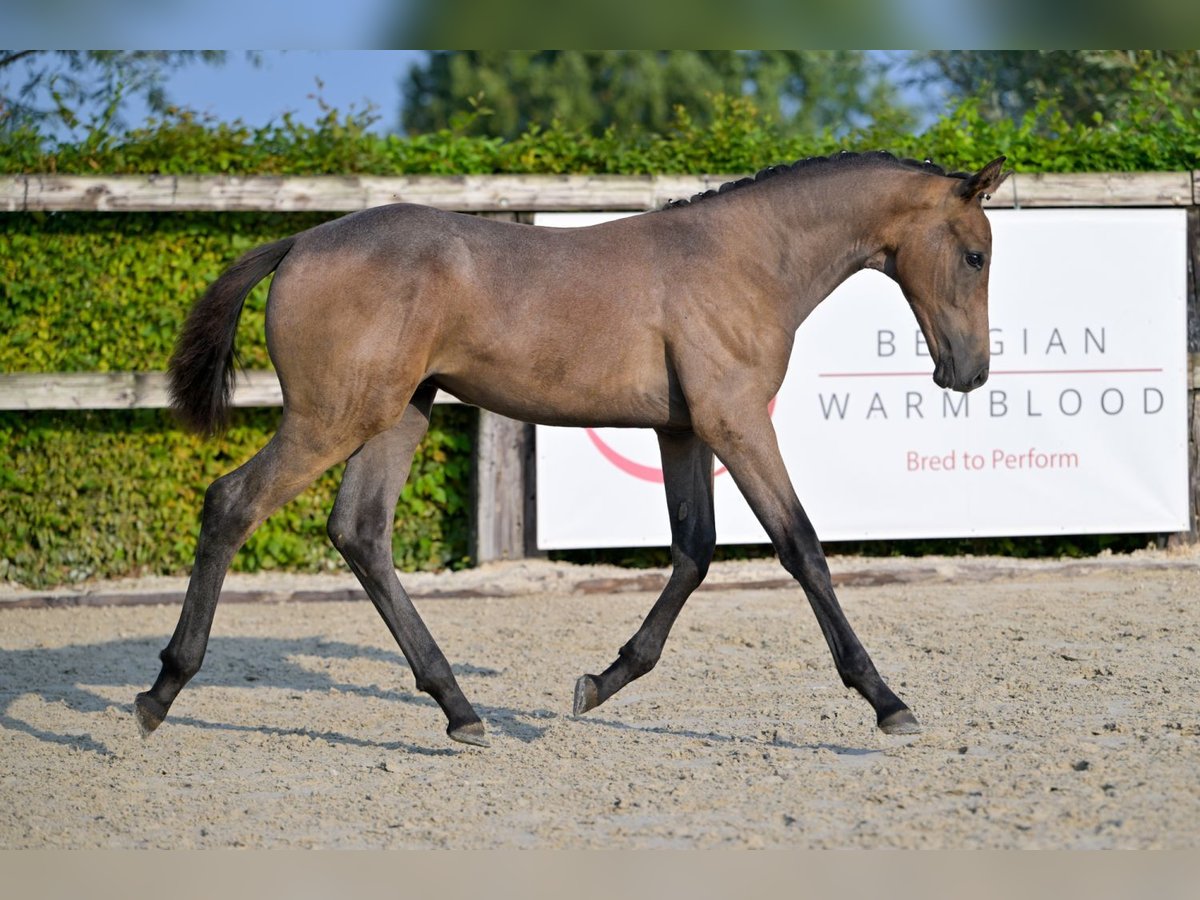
{"type": "Point", "coordinates": [149, 713]}
{"type": "Point", "coordinates": [902, 721]}
{"type": "Point", "coordinates": [587, 694]}
{"type": "Point", "coordinates": [472, 733]}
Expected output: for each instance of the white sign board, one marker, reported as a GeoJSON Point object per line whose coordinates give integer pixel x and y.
{"type": "Point", "coordinates": [1082, 427]}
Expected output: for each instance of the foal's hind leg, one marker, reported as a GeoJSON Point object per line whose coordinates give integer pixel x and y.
{"type": "Point", "coordinates": [747, 445]}
{"type": "Point", "coordinates": [688, 476]}
{"type": "Point", "coordinates": [234, 506]}
{"type": "Point", "coordinates": [360, 526]}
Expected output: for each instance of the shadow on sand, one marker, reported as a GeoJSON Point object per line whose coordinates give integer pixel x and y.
{"type": "Point", "coordinates": [70, 675]}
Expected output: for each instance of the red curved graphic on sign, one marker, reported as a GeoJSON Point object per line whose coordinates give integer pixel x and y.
{"type": "Point", "coordinates": [652, 474]}
{"type": "Point", "coordinates": [624, 463]}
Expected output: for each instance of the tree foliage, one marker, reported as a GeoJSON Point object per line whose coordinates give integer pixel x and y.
{"type": "Point", "coordinates": [1083, 84]}
{"type": "Point", "coordinates": [73, 86]}
{"type": "Point", "coordinates": [592, 91]}
{"type": "Point", "coordinates": [722, 135]}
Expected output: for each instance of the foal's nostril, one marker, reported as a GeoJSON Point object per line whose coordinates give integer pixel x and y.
{"type": "Point", "coordinates": [980, 377]}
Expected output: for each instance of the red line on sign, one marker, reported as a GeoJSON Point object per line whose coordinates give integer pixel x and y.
{"type": "Point", "coordinates": [994, 372]}
{"type": "Point", "coordinates": [626, 465]}
{"type": "Point", "coordinates": [872, 374]}
{"type": "Point", "coordinates": [1072, 371]}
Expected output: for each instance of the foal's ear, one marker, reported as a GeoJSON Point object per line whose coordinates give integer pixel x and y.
{"type": "Point", "coordinates": [985, 181]}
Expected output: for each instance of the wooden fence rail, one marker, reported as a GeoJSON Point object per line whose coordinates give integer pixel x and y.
{"type": "Point", "coordinates": [502, 487]}
{"type": "Point", "coordinates": [127, 390]}
{"type": "Point", "coordinates": [506, 193]}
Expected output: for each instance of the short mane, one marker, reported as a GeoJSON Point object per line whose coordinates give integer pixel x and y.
{"type": "Point", "coordinates": [815, 163]}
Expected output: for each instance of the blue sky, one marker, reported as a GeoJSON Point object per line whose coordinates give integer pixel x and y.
{"type": "Point", "coordinates": [286, 80]}
{"type": "Point", "coordinates": [260, 88]}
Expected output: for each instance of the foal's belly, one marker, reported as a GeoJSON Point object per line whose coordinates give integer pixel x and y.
{"type": "Point", "coordinates": [563, 400]}
{"type": "Point", "coordinates": [602, 380]}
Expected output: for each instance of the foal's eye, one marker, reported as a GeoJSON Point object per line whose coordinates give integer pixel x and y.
{"type": "Point", "coordinates": [974, 260]}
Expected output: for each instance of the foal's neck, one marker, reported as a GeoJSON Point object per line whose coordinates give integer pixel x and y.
{"type": "Point", "coordinates": [831, 225]}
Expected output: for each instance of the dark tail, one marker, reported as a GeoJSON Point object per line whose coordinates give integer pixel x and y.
{"type": "Point", "coordinates": [201, 368]}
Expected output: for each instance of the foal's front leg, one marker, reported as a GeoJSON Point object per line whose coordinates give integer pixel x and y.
{"type": "Point", "coordinates": [744, 439]}
{"type": "Point", "coordinates": [688, 478]}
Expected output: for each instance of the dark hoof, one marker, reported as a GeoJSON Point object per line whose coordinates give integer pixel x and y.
{"type": "Point", "coordinates": [587, 694]}
{"type": "Point", "coordinates": [902, 721]}
{"type": "Point", "coordinates": [472, 733]}
{"type": "Point", "coordinates": [149, 713]}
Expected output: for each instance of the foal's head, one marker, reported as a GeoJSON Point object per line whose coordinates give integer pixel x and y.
{"type": "Point", "coordinates": [939, 251]}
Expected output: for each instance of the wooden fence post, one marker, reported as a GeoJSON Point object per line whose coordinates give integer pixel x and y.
{"type": "Point", "coordinates": [503, 489]}
{"type": "Point", "coordinates": [1192, 535]}
{"type": "Point", "coordinates": [1193, 330]}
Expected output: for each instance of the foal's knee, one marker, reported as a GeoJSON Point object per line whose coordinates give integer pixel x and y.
{"type": "Point", "coordinates": [688, 572]}
{"type": "Point", "coordinates": [690, 560]}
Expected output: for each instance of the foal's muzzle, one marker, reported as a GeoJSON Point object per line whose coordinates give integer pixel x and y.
{"type": "Point", "coordinates": [946, 374]}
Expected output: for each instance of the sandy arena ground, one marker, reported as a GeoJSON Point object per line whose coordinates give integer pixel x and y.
{"type": "Point", "coordinates": [1059, 702]}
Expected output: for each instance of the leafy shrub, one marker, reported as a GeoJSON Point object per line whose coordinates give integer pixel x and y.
{"type": "Point", "coordinates": [105, 292]}
{"type": "Point", "coordinates": [1158, 136]}
{"type": "Point", "coordinates": [100, 493]}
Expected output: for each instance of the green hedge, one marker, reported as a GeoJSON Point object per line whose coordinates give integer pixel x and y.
{"type": "Point", "coordinates": [1157, 136]}
{"type": "Point", "coordinates": [107, 292]}
{"type": "Point", "coordinates": [110, 493]}
{"type": "Point", "coordinates": [92, 494]}
{"type": "Point", "coordinates": [101, 494]}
